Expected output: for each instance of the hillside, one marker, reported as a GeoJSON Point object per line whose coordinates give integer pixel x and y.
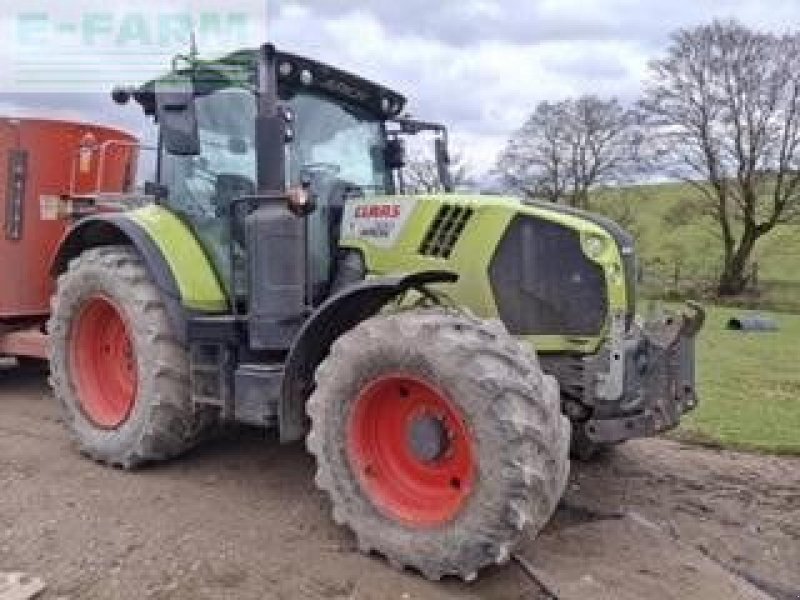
{"type": "Point", "coordinates": [679, 249]}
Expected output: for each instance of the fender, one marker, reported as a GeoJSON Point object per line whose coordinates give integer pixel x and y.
{"type": "Point", "coordinates": [335, 316]}
{"type": "Point", "coordinates": [104, 230]}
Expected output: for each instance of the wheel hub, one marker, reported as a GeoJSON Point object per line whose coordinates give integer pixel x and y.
{"type": "Point", "coordinates": [427, 438]}
{"type": "Point", "coordinates": [411, 451]}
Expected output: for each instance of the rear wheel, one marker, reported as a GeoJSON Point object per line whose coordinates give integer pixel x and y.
{"type": "Point", "coordinates": [116, 366]}
{"type": "Point", "coordinates": [438, 439]}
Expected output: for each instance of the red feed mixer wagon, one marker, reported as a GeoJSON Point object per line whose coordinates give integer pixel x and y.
{"type": "Point", "coordinates": [51, 173]}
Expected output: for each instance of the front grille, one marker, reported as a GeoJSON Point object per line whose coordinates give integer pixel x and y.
{"type": "Point", "coordinates": [623, 239]}
{"type": "Point", "coordinates": [447, 227]}
{"type": "Point", "coordinates": [543, 284]}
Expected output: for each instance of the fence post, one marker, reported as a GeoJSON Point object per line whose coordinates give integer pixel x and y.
{"type": "Point", "coordinates": [677, 278]}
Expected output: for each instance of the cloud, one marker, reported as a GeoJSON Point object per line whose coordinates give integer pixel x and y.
{"type": "Point", "coordinates": [467, 22]}
{"type": "Point", "coordinates": [484, 92]}
{"type": "Point", "coordinates": [479, 66]}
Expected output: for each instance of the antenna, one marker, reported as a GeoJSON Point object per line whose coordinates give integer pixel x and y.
{"type": "Point", "coordinates": [191, 57]}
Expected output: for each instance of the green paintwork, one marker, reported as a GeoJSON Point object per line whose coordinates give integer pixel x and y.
{"type": "Point", "coordinates": [472, 254]}
{"type": "Point", "coordinates": [200, 290]}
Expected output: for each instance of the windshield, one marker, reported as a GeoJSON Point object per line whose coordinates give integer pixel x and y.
{"type": "Point", "coordinates": [340, 151]}
{"type": "Point", "coordinates": [332, 144]}
{"type": "Point", "coordinates": [341, 141]}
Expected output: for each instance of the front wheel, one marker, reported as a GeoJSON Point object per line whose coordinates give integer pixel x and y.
{"type": "Point", "coordinates": [438, 439]}
{"type": "Point", "coordinates": [117, 369]}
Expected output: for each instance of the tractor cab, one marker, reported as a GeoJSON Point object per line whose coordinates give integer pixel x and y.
{"type": "Point", "coordinates": [264, 121]}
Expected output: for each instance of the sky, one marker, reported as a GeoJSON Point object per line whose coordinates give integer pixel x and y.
{"type": "Point", "coordinates": [480, 66]}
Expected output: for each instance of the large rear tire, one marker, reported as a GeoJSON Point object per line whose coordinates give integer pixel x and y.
{"type": "Point", "coordinates": [438, 440]}
{"type": "Point", "coordinates": [117, 369]}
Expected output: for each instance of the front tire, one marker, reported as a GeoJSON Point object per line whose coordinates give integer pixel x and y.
{"type": "Point", "coordinates": [438, 440]}
{"type": "Point", "coordinates": [117, 369]}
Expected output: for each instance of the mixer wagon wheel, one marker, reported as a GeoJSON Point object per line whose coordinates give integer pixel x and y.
{"type": "Point", "coordinates": [438, 440]}
{"type": "Point", "coordinates": [116, 367]}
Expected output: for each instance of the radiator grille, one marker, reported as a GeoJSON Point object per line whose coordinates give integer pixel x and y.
{"type": "Point", "coordinates": [446, 229]}
{"type": "Point", "coordinates": [543, 284]}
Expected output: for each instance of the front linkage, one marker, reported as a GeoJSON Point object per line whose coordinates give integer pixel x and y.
{"type": "Point", "coordinates": [644, 379]}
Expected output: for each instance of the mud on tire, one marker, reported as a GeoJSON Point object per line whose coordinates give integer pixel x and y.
{"type": "Point", "coordinates": [160, 423]}
{"type": "Point", "coordinates": [511, 410]}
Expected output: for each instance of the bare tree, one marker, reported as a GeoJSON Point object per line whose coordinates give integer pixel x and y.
{"type": "Point", "coordinates": [566, 148]}
{"type": "Point", "coordinates": [724, 111]}
{"type": "Point", "coordinates": [421, 174]}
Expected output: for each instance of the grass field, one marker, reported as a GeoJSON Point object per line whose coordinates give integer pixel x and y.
{"type": "Point", "coordinates": [749, 386]}
{"type": "Point", "coordinates": [670, 230]}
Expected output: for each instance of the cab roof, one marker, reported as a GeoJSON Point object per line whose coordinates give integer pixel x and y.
{"type": "Point", "coordinates": [294, 73]}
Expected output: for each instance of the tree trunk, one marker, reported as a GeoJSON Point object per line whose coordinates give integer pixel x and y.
{"type": "Point", "coordinates": [731, 282]}
{"type": "Point", "coordinates": [733, 279]}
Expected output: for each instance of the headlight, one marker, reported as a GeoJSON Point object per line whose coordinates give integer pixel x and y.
{"type": "Point", "coordinates": [594, 246]}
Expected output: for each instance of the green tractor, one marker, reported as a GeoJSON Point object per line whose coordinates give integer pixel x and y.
{"type": "Point", "coordinates": [439, 354]}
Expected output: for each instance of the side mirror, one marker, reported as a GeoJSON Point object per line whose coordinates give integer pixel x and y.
{"type": "Point", "coordinates": [175, 111]}
{"type": "Point", "coordinates": [395, 154]}
{"type": "Point", "coordinates": [443, 163]}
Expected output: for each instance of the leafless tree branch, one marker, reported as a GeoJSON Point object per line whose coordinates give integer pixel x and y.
{"type": "Point", "coordinates": [567, 148]}
{"type": "Point", "coordinates": [723, 107]}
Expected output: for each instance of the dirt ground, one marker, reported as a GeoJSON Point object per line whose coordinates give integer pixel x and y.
{"type": "Point", "coordinates": [240, 518]}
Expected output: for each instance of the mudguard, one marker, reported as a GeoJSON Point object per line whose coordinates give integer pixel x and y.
{"type": "Point", "coordinates": [164, 246]}
{"type": "Point", "coordinates": [335, 316]}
